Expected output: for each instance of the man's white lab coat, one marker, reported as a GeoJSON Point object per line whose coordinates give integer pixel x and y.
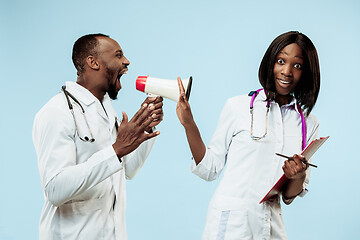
{"type": "Point", "coordinates": [83, 182]}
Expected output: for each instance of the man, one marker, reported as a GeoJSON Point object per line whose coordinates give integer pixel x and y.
{"type": "Point", "coordinates": [84, 155]}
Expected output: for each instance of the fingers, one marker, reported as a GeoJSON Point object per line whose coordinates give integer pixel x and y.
{"type": "Point", "coordinates": [123, 122]}
{"type": "Point", "coordinates": [301, 161]}
{"type": "Point", "coordinates": [144, 120]}
{"type": "Point", "coordinates": [124, 117]}
{"type": "Point", "coordinates": [294, 168]}
{"type": "Point", "coordinates": [181, 86]}
{"type": "Point", "coordinates": [182, 97]}
{"type": "Point", "coordinates": [149, 115]}
{"type": "Point", "coordinates": [140, 111]}
{"type": "Point", "coordinates": [152, 119]}
{"type": "Point", "coordinates": [153, 100]}
{"type": "Point", "coordinates": [151, 135]}
{"type": "Point", "coordinates": [157, 100]}
{"type": "Point", "coordinates": [290, 168]}
{"type": "Point", "coordinates": [157, 104]}
{"type": "Point", "coordinates": [146, 108]}
{"type": "Point", "coordinates": [157, 114]}
{"type": "Point", "coordinates": [149, 100]}
{"type": "Point", "coordinates": [154, 123]}
{"type": "Point", "coordinates": [132, 133]}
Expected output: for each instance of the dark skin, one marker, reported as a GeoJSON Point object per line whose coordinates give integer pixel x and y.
{"type": "Point", "coordinates": [287, 73]}
{"type": "Point", "coordinates": [103, 72]}
{"type": "Point", "coordinates": [294, 171]}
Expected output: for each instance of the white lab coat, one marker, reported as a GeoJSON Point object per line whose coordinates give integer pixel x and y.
{"type": "Point", "coordinates": [83, 182]}
{"type": "Point", "coordinates": [252, 168]}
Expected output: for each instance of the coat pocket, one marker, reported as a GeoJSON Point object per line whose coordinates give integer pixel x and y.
{"type": "Point", "coordinates": [227, 219]}
{"type": "Point", "coordinates": [83, 219]}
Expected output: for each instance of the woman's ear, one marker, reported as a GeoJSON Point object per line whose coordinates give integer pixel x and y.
{"type": "Point", "coordinates": [92, 62]}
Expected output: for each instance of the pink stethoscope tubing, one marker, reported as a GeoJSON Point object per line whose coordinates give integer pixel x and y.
{"type": "Point", "coordinates": [253, 94]}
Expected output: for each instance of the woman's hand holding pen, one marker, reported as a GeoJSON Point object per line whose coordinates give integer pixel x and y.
{"type": "Point", "coordinates": [295, 168]}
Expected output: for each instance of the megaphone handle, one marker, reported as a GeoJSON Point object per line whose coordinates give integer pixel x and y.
{"type": "Point", "coordinates": [153, 95]}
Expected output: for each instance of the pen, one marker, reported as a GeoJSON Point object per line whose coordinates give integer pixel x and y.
{"type": "Point", "coordinates": [291, 158]}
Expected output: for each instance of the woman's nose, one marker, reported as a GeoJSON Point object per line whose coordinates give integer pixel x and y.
{"type": "Point", "coordinates": [286, 70]}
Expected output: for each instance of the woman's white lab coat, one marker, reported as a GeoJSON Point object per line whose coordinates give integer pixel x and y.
{"type": "Point", "coordinates": [252, 168]}
{"type": "Point", "coordinates": [83, 182]}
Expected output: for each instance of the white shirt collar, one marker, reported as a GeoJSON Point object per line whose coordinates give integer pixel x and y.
{"type": "Point", "coordinates": [82, 94]}
{"type": "Point", "coordinates": [292, 104]}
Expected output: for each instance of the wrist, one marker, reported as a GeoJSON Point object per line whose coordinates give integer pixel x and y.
{"type": "Point", "coordinates": [118, 151]}
{"type": "Point", "coordinates": [300, 178]}
{"type": "Point", "coordinates": [189, 125]}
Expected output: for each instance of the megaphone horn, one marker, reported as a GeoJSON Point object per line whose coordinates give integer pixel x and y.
{"type": "Point", "coordinates": [163, 87]}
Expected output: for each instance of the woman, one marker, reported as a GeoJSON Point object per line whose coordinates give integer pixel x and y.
{"type": "Point", "coordinates": [251, 129]}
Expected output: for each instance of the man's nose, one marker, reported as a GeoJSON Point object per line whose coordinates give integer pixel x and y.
{"type": "Point", "coordinates": [126, 62]}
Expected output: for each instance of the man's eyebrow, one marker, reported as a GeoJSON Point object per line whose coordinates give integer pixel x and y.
{"type": "Point", "coordinates": [119, 51]}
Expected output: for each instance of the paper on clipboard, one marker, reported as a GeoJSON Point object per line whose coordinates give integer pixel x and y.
{"type": "Point", "coordinates": [308, 152]}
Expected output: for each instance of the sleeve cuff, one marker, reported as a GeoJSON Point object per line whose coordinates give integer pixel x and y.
{"type": "Point", "coordinates": [112, 159]}
{"type": "Point", "coordinates": [197, 168]}
{"type": "Point", "coordinates": [287, 201]}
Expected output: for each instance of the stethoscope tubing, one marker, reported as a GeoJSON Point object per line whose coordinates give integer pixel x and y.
{"type": "Point", "coordinates": [253, 95]}
{"type": "Point", "coordinates": [67, 95]}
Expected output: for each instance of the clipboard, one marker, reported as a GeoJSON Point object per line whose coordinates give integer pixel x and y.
{"type": "Point", "coordinates": [308, 152]}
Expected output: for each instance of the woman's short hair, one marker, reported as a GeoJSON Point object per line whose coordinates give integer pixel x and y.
{"type": "Point", "coordinates": [307, 90]}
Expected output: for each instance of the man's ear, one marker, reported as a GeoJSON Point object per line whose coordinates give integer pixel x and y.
{"type": "Point", "coordinates": [92, 62]}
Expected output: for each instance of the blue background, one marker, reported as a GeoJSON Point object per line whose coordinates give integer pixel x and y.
{"type": "Point", "coordinates": [220, 44]}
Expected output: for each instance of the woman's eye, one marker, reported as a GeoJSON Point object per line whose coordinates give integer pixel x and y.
{"type": "Point", "coordinates": [280, 61]}
{"type": "Point", "coordinates": [298, 66]}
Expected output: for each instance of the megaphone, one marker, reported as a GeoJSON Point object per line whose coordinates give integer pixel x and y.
{"type": "Point", "coordinates": [163, 87]}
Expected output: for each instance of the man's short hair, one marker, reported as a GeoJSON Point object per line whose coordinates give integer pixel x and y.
{"type": "Point", "coordinates": [83, 47]}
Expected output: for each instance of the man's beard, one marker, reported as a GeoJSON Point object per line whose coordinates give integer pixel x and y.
{"type": "Point", "coordinates": [112, 86]}
{"type": "Point", "coordinates": [112, 91]}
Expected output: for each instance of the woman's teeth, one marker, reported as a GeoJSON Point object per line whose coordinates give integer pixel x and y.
{"type": "Point", "coordinates": [284, 82]}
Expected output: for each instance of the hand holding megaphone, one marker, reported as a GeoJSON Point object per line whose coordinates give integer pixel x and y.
{"type": "Point", "coordinates": [185, 116]}
{"type": "Point", "coordinates": [183, 109]}
{"type": "Point", "coordinates": [163, 87]}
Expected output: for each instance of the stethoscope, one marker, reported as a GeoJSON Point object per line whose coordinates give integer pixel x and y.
{"type": "Point", "coordinates": [253, 95]}
{"type": "Point", "coordinates": [85, 138]}
{"type": "Point", "coordinates": [67, 95]}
